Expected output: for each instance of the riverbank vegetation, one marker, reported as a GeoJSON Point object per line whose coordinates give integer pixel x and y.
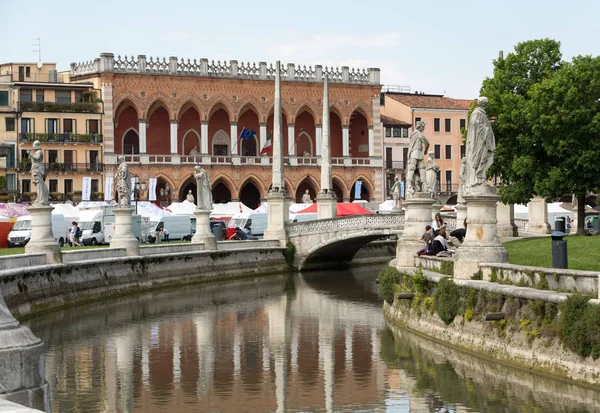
{"type": "Point", "coordinates": [537, 252]}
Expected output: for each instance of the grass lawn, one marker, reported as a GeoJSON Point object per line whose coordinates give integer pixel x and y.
{"type": "Point", "coordinates": [21, 250]}
{"type": "Point", "coordinates": [583, 252]}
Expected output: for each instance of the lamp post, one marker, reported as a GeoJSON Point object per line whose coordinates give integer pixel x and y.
{"type": "Point", "coordinates": [138, 185]}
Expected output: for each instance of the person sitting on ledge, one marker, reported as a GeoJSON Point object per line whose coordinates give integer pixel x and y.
{"type": "Point", "coordinates": [427, 238]}
{"type": "Point", "coordinates": [460, 233]}
{"type": "Point", "coordinates": [439, 243]}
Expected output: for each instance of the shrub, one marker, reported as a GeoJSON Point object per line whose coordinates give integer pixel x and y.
{"type": "Point", "coordinates": [468, 314]}
{"type": "Point", "coordinates": [289, 253]}
{"type": "Point", "coordinates": [447, 300]}
{"type": "Point", "coordinates": [447, 268]}
{"type": "Point", "coordinates": [477, 275]}
{"type": "Point", "coordinates": [388, 277]}
{"type": "Point", "coordinates": [576, 317]}
{"type": "Point", "coordinates": [419, 282]}
{"type": "Point", "coordinates": [494, 275]}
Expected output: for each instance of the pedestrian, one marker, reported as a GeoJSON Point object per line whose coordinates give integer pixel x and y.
{"type": "Point", "coordinates": [73, 235]}
{"type": "Point", "coordinates": [165, 234]}
{"type": "Point", "coordinates": [427, 238]}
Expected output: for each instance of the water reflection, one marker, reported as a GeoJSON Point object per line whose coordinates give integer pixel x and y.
{"type": "Point", "coordinates": [316, 342]}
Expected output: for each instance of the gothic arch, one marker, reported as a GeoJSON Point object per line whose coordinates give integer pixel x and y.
{"type": "Point", "coordinates": [306, 106]}
{"type": "Point", "coordinates": [123, 103]}
{"type": "Point", "coordinates": [254, 180]}
{"type": "Point", "coordinates": [338, 111]}
{"type": "Point", "coordinates": [310, 140]}
{"type": "Point", "coordinates": [361, 108]}
{"type": "Point", "coordinates": [221, 138]}
{"type": "Point", "coordinates": [284, 112]}
{"type": "Point", "coordinates": [132, 129]}
{"type": "Point", "coordinates": [216, 103]}
{"type": "Point", "coordinates": [250, 103]}
{"type": "Point", "coordinates": [164, 199]}
{"type": "Point", "coordinates": [225, 180]}
{"type": "Point", "coordinates": [197, 139]}
{"type": "Point", "coordinates": [189, 101]}
{"type": "Point", "coordinates": [154, 102]}
{"type": "Point", "coordinates": [367, 184]}
{"type": "Point", "coordinates": [340, 183]}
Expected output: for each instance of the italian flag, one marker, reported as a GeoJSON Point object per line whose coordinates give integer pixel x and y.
{"type": "Point", "coordinates": [268, 144]}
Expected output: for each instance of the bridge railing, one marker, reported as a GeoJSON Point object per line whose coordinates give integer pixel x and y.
{"type": "Point", "coordinates": [376, 221]}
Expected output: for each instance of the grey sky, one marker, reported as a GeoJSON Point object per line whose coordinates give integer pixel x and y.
{"type": "Point", "coordinates": [431, 46]}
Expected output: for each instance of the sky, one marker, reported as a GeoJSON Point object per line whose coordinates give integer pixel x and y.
{"type": "Point", "coordinates": [437, 47]}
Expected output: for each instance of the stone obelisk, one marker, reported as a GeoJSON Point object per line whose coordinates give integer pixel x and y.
{"type": "Point", "coordinates": [326, 198]}
{"type": "Point", "coordinates": [277, 198]}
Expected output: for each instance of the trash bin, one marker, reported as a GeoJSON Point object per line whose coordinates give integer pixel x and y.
{"type": "Point", "coordinates": [597, 225]}
{"type": "Point", "coordinates": [559, 224]}
{"type": "Point", "coordinates": [559, 250]}
{"type": "Point", "coordinates": [217, 231]}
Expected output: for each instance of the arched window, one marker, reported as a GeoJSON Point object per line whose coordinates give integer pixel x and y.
{"type": "Point", "coordinates": [220, 143]}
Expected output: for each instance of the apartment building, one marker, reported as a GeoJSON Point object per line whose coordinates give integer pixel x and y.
{"type": "Point", "coordinates": [39, 103]}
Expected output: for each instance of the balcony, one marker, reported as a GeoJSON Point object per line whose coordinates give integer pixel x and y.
{"type": "Point", "coordinates": [394, 165]}
{"type": "Point", "coordinates": [65, 137]}
{"type": "Point", "coordinates": [66, 107]}
{"type": "Point", "coordinates": [59, 168]}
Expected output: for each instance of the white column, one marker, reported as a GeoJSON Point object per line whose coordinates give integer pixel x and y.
{"type": "Point", "coordinates": [262, 134]}
{"type": "Point", "coordinates": [142, 135]}
{"type": "Point", "coordinates": [204, 137]}
{"type": "Point", "coordinates": [345, 141]}
{"type": "Point", "coordinates": [291, 140]}
{"type": "Point", "coordinates": [234, 137]}
{"type": "Point", "coordinates": [318, 137]}
{"type": "Point", "coordinates": [371, 142]}
{"type": "Point", "coordinates": [173, 134]}
{"type": "Point", "coordinates": [538, 216]}
{"type": "Point", "coordinates": [108, 126]}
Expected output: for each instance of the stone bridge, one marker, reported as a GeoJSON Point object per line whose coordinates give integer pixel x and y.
{"type": "Point", "coordinates": [319, 243]}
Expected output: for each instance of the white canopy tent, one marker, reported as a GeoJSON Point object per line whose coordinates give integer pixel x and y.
{"type": "Point", "coordinates": [182, 208]}
{"type": "Point", "coordinates": [226, 211]}
{"type": "Point", "coordinates": [149, 209]}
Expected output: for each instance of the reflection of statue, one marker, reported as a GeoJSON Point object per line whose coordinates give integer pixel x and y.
{"type": "Point", "coordinates": [431, 170]}
{"type": "Point", "coordinates": [306, 198]}
{"type": "Point", "coordinates": [38, 174]}
{"type": "Point", "coordinates": [204, 188]}
{"type": "Point", "coordinates": [415, 175]}
{"type": "Point", "coordinates": [396, 195]}
{"type": "Point", "coordinates": [480, 146]}
{"type": "Point", "coordinates": [123, 184]}
{"type": "Point", "coordinates": [190, 197]}
{"type": "Point", "coordinates": [194, 151]}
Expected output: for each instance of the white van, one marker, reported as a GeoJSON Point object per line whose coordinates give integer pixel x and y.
{"type": "Point", "coordinates": [179, 227]}
{"type": "Point", "coordinates": [309, 216]}
{"type": "Point", "coordinates": [20, 234]}
{"type": "Point", "coordinates": [97, 225]}
{"type": "Point", "coordinates": [258, 225]}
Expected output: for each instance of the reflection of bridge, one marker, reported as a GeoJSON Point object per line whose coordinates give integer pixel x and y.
{"type": "Point", "coordinates": [338, 239]}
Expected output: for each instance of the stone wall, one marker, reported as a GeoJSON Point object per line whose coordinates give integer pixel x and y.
{"type": "Point", "coordinates": [16, 261]}
{"type": "Point", "coordinates": [375, 252]}
{"type": "Point", "coordinates": [38, 288]}
{"type": "Point", "coordinates": [89, 254]}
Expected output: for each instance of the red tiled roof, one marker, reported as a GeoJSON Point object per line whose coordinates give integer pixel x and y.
{"type": "Point", "coordinates": [386, 120]}
{"type": "Point", "coordinates": [430, 101]}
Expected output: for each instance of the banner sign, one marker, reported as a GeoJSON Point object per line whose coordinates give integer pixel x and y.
{"type": "Point", "coordinates": [108, 189]}
{"type": "Point", "coordinates": [86, 188]}
{"type": "Point", "coordinates": [358, 190]}
{"type": "Point", "coordinates": [152, 190]}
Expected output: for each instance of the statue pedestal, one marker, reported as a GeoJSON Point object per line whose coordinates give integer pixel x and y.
{"type": "Point", "coordinates": [461, 215]}
{"type": "Point", "coordinates": [124, 237]}
{"type": "Point", "coordinates": [278, 216]}
{"type": "Point", "coordinates": [326, 206]}
{"type": "Point", "coordinates": [203, 233]}
{"type": "Point", "coordinates": [23, 372]}
{"type": "Point", "coordinates": [42, 239]}
{"type": "Point", "coordinates": [481, 243]}
{"type": "Point", "coordinates": [506, 223]}
{"type": "Point", "coordinates": [417, 216]}
{"type": "Point", "coordinates": [537, 216]}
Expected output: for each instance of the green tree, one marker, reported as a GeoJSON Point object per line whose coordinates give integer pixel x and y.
{"type": "Point", "coordinates": [547, 126]}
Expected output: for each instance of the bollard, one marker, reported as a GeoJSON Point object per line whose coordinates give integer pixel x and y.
{"type": "Point", "coordinates": [559, 250]}
{"type": "Point", "coordinates": [559, 224]}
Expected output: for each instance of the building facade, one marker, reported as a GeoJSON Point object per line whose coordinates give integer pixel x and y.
{"type": "Point", "coordinates": [444, 118]}
{"type": "Point", "coordinates": [167, 115]}
{"type": "Point", "coordinates": [38, 103]}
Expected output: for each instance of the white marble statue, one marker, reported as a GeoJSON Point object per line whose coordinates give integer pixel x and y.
{"type": "Point", "coordinates": [38, 174]}
{"type": "Point", "coordinates": [123, 184]}
{"type": "Point", "coordinates": [462, 176]}
{"type": "Point", "coordinates": [396, 194]}
{"type": "Point", "coordinates": [480, 147]}
{"type": "Point", "coordinates": [431, 171]}
{"type": "Point", "coordinates": [194, 151]}
{"type": "Point", "coordinates": [415, 175]}
{"type": "Point", "coordinates": [190, 197]}
{"type": "Point", "coordinates": [306, 198]}
{"type": "Point", "coordinates": [204, 189]}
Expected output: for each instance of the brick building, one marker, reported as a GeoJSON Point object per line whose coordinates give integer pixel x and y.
{"type": "Point", "coordinates": [166, 115]}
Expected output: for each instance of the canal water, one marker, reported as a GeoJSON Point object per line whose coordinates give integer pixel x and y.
{"type": "Point", "coordinates": [315, 342]}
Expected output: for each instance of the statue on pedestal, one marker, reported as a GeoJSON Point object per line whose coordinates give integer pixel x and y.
{"type": "Point", "coordinates": [38, 174]}
{"type": "Point", "coordinates": [415, 175]}
{"type": "Point", "coordinates": [396, 195]}
{"type": "Point", "coordinates": [204, 189]}
{"type": "Point", "coordinates": [480, 147]}
{"type": "Point", "coordinates": [306, 198]}
{"type": "Point", "coordinates": [123, 184]}
{"type": "Point", "coordinates": [190, 197]}
{"type": "Point", "coordinates": [462, 177]}
{"type": "Point", "coordinates": [431, 171]}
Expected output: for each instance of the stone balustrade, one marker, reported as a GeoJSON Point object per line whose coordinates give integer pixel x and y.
{"type": "Point", "coordinates": [107, 63]}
